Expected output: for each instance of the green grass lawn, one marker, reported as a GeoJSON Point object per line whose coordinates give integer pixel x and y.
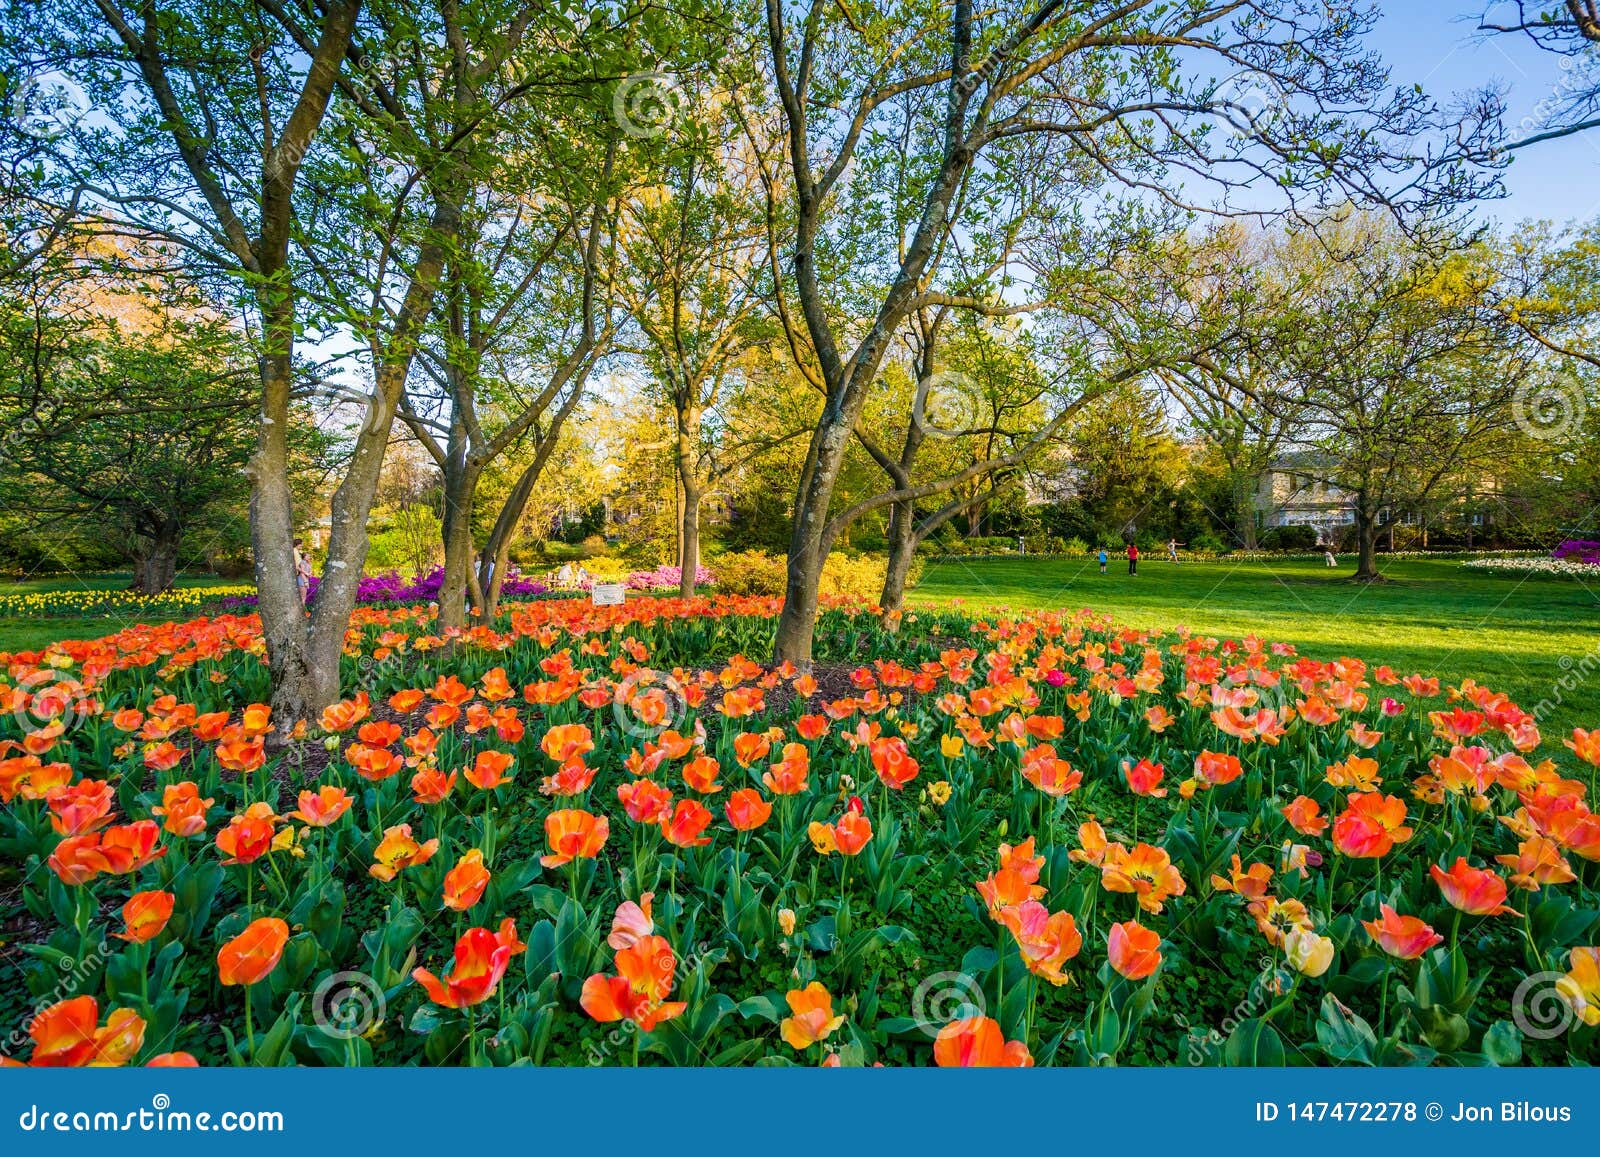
{"type": "Point", "coordinates": [1518, 635]}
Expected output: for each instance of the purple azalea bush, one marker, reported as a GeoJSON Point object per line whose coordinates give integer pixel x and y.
{"type": "Point", "coordinates": [1578, 550]}
{"type": "Point", "coordinates": [393, 587]}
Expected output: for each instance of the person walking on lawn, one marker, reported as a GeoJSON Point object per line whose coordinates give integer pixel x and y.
{"type": "Point", "coordinates": [1133, 559]}
{"type": "Point", "coordinates": [1103, 560]}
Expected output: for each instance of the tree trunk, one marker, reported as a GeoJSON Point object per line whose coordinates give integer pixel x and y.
{"type": "Point", "coordinates": [1366, 543]}
{"type": "Point", "coordinates": [689, 552]}
{"type": "Point", "coordinates": [902, 549]}
{"type": "Point", "coordinates": [460, 490]}
{"type": "Point", "coordinates": [157, 564]}
{"type": "Point", "coordinates": [807, 549]}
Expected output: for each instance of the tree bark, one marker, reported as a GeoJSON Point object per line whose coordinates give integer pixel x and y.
{"type": "Point", "coordinates": [902, 551]}
{"type": "Point", "coordinates": [156, 567]}
{"type": "Point", "coordinates": [1366, 541]}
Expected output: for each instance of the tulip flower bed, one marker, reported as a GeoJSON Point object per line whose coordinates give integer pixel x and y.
{"type": "Point", "coordinates": [602, 835]}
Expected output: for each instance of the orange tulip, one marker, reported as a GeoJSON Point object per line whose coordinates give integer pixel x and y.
{"type": "Point", "coordinates": [567, 741]}
{"type": "Point", "coordinates": [464, 883]}
{"type": "Point", "coordinates": [320, 808]}
{"type": "Point", "coordinates": [1134, 950]}
{"type": "Point", "coordinates": [82, 807]}
{"type": "Point", "coordinates": [749, 747]}
{"type": "Point", "coordinates": [175, 1060]}
{"type": "Point", "coordinates": [977, 1043]}
{"type": "Point", "coordinates": [1144, 778]}
{"type": "Point", "coordinates": [1046, 940]}
{"type": "Point", "coordinates": [1538, 862]}
{"type": "Point", "coordinates": [573, 834]}
{"type": "Point", "coordinates": [431, 786]}
{"type": "Point", "coordinates": [1404, 936]}
{"type": "Point", "coordinates": [892, 761]}
{"type": "Point", "coordinates": [700, 774]}
{"type": "Point", "coordinates": [684, 826]}
{"type": "Point", "coordinates": [248, 835]}
{"type": "Point", "coordinates": [645, 801]}
{"type": "Point", "coordinates": [183, 808]}
{"type": "Point", "coordinates": [1305, 816]}
{"type": "Point", "coordinates": [481, 958]}
{"type": "Point", "coordinates": [789, 776]}
{"type": "Point", "coordinates": [487, 771]}
{"type": "Point", "coordinates": [1048, 772]}
{"type": "Point", "coordinates": [646, 970]}
{"type": "Point", "coordinates": [572, 778]}
{"type": "Point", "coordinates": [747, 810]}
{"type": "Point", "coordinates": [67, 1035]}
{"type": "Point", "coordinates": [398, 851]}
{"type": "Point", "coordinates": [374, 764]}
{"type": "Point", "coordinates": [848, 836]}
{"type": "Point", "coordinates": [145, 915]}
{"type": "Point", "coordinates": [251, 956]}
{"type": "Point", "coordinates": [405, 702]}
{"type": "Point", "coordinates": [813, 1018]}
{"type": "Point", "coordinates": [1217, 768]}
{"type": "Point", "coordinates": [1475, 891]}
{"type": "Point", "coordinates": [1371, 826]}
{"type": "Point", "coordinates": [1147, 872]}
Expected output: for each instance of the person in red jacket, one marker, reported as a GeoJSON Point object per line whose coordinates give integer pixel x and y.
{"type": "Point", "coordinates": [1133, 559]}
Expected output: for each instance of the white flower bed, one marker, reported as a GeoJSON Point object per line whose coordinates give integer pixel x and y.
{"type": "Point", "coordinates": [1544, 565]}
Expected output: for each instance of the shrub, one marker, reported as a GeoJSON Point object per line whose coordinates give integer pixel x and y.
{"type": "Point", "coordinates": [755, 572]}
{"type": "Point", "coordinates": [1289, 538]}
{"type": "Point", "coordinates": [750, 572]}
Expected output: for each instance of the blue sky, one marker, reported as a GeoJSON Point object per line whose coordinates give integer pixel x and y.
{"type": "Point", "coordinates": [1434, 43]}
